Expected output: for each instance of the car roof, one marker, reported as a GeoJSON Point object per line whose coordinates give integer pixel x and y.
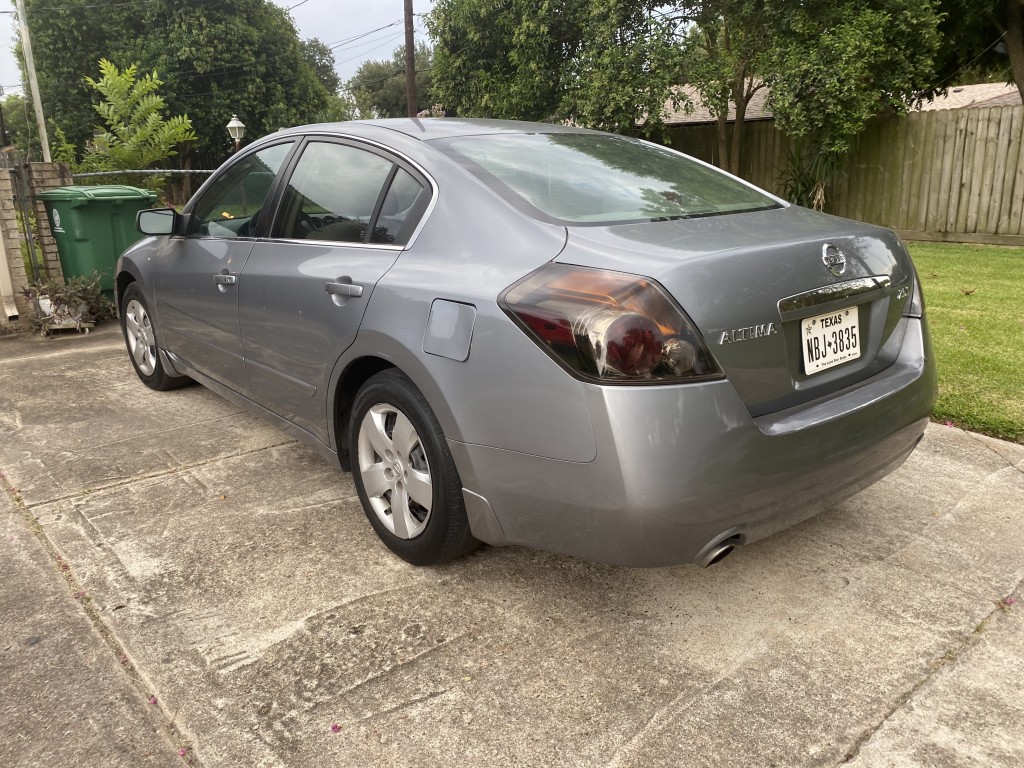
{"type": "Point", "coordinates": [429, 128]}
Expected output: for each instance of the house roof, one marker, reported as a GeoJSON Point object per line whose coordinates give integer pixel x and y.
{"type": "Point", "coordinates": [960, 97]}
{"type": "Point", "coordinates": [974, 96]}
{"type": "Point", "coordinates": [698, 113]}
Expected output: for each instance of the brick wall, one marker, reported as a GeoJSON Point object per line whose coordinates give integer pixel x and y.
{"type": "Point", "coordinates": [41, 176]}
{"type": "Point", "coordinates": [44, 176]}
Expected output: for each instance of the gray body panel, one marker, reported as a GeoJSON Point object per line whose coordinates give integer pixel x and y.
{"type": "Point", "coordinates": [293, 330]}
{"type": "Point", "coordinates": [632, 475]}
{"type": "Point", "coordinates": [678, 470]}
{"type": "Point", "coordinates": [198, 317]}
{"type": "Point", "coordinates": [730, 272]}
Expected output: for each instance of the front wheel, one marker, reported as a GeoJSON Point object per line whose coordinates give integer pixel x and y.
{"type": "Point", "coordinates": [404, 473]}
{"type": "Point", "coordinates": [140, 337]}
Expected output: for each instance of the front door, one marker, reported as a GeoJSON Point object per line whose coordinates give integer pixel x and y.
{"type": "Point", "coordinates": [197, 296]}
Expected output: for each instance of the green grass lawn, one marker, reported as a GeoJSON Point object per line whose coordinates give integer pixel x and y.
{"type": "Point", "coordinates": [974, 298]}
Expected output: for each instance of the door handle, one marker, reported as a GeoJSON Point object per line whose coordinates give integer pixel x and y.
{"type": "Point", "coordinates": [344, 289]}
{"type": "Point", "coordinates": [225, 279]}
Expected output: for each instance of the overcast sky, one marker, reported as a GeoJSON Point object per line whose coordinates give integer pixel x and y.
{"type": "Point", "coordinates": [332, 21]}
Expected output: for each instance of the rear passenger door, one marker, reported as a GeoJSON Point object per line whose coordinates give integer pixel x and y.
{"type": "Point", "coordinates": [345, 214]}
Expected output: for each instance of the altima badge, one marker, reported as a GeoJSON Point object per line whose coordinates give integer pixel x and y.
{"type": "Point", "coordinates": [746, 334]}
{"type": "Point", "coordinates": [833, 258]}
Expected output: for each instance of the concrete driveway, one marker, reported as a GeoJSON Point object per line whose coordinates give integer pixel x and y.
{"type": "Point", "coordinates": [178, 576]}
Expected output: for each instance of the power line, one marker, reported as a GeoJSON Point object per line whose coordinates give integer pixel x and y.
{"type": "Point", "coordinates": [238, 67]}
{"type": "Point", "coordinates": [396, 73]}
{"type": "Point", "coordinates": [347, 40]}
{"type": "Point", "coordinates": [380, 44]}
{"type": "Point", "coordinates": [968, 64]}
{"type": "Point", "coordinates": [235, 67]}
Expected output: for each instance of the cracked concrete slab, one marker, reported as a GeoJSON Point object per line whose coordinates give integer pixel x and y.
{"type": "Point", "coordinates": [236, 572]}
{"type": "Point", "coordinates": [969, 714]}
{"type": "Point", "coordinates": [65, 698]}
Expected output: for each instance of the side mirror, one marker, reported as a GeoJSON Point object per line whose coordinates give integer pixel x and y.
{"type": "Point", "coordinates": [157, 221]}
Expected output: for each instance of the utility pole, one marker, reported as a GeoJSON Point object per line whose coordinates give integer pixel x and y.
{"type": "Point", "coordinates": [410, 61]}
{"type": "Point", "coordinates": [33, 83]}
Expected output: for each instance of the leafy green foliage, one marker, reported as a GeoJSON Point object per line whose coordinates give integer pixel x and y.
{"type": "Point", "coordinates": [321, 59]}
{"type": "Point", "coordinates": [378, 87]}
{"type": "Point", "coordinates": [808, 174]}
{"type": "Point", "coordinates": [66, 303]}
{"type": "Point", "coordinates": [602, 63]}
{"type": "Point", "coordinates": [502, 59]}
{"type": "Point", "coordinates": [625, 68]}
{"type": "Point", "coordinates": [972, 30]}
{"type": "Point", "coordinates": [724, 54]}
{"type": "Point", "coordinates": [830, 67]}
{"type": "Point", "coordinates": [137, 135]}
{"type": "Point", "coordinates": [19, 120]}
{"type": "Point", "coordinates": [217, 58]}
{"type": "Point", "coordinates": [834, 66]}
{"type": "Point", "coordinates": [339, 107]}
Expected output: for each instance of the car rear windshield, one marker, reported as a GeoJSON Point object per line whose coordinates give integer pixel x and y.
{"type": "Point", "coordinates": [600, 179]}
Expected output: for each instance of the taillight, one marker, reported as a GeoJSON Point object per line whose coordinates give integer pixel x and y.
{"type": "Point", "coordinates": [915, 307]}
{"type": "Point", "coordinates": [609, 326]}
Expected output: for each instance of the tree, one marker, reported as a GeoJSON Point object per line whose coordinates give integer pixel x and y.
{"type": "Point", "coordinates": [503, 60]}
{"type": "Point", "coordinates": [20, 123]}
{"type": "Point", "coordinates": [601, 63]}
{"type": "Point", "coordinates": [830, 68]}
{"type": "Point", "coordinates": [378, 87]}
{"type": "Point", "coordinates": [724, 51]}
{"type": "Point", "coordinates": [983, 40]}
{"type": "Point", "coordinates": [627, 62]}
{"type": "Point", "coordinates": [137, 135]}
{"type": "Point", "coordinates": [339, 107]}
{"type": "Point", "coordinates": [834, 66]}
{"type": "Point", "coordinates": [321, 59]}
{"type": "Point", "coordinates": [67, 41]}
{"type": "Point", "coordinates": [217, 58]}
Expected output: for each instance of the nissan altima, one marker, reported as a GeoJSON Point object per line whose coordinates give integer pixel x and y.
{"type": "Point", "coordinates": [540, 335]}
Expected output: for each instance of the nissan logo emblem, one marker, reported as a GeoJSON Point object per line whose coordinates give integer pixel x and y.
{"type": "Point", "coordinates": [833, 258]}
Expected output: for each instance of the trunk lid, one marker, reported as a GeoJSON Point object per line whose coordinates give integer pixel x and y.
{"type": "Point", "coordinates": [749, 281]}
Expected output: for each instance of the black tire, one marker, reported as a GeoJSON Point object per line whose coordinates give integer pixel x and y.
{"type": "Point", "coordinates": [395, 460]}
{"type": "Point", "coordinates": [140, 338]}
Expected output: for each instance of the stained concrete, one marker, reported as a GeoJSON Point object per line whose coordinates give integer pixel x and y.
{"type": "Point", "coordinates": [66, 696]}
{"type": "Point", "coordinates": [235, 572]}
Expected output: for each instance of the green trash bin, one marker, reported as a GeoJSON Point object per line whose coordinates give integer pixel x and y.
{"type": "Point", "coordinates": [94, 225]}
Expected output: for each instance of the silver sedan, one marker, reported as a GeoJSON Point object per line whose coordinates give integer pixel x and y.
{"type": "Point", "coordinates": [531, 334]}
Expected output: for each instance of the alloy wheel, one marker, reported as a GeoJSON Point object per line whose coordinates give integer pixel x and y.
{"type": "Point", "coordinates": [394, 471]}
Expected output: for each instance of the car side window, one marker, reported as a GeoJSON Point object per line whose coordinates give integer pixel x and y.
{"type": "Point", "coordinates": [401, 211]}
{"type": "Point", "coordinates": [232, 204]}
{"type": "Point", "coordinates": [333, 193]}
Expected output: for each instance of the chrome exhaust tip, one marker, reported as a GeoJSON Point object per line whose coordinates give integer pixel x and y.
{"type": "Point", "coordinates": [718, 551]}
{"type": "Point", "coordinates": [717, 554]}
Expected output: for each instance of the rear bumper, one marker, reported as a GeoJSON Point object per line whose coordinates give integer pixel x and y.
{"type": "Point", "coordinates": [680, 468]}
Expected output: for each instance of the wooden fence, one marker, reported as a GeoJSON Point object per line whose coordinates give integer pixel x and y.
{"type": "Point", "coordinates": [954, 175]}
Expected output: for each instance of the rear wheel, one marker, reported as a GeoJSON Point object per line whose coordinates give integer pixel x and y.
{"type": "Point", "coordinates": [140, 337]}
{"type": "Point", "coordinates": [404, 473]}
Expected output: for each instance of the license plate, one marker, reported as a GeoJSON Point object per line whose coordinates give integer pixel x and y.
{"type": "Point", "coordinates": [830, 339]}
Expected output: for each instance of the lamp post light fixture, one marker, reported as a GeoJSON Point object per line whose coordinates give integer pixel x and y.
{"type": "Point", "coordinates": [236, 130]}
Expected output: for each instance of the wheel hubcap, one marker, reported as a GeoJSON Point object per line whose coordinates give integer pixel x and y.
{"type": "Point", "coordinates": [138, 332]}
{"type": "Point", "coordinates": [394, 470]}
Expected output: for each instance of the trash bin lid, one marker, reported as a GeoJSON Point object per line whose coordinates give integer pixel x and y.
{"type": "Point", "coordinates": [99, 192]}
